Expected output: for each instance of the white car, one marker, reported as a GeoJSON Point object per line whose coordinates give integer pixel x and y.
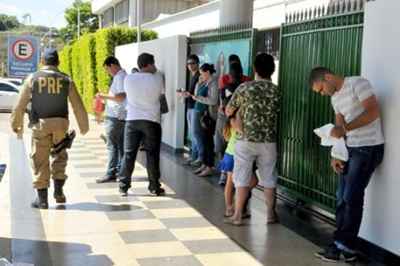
{"type": "Point", "coordinates": [8, 95]}
{"type": "Point", "coordinates": [16, 81]}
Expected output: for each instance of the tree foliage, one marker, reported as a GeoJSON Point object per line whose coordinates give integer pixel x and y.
{"type": "Point", "coordinates": [88, 22]}
{"type": "Point", "coordinates": [8, 22]}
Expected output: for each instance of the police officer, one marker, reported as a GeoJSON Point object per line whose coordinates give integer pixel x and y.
{"type": "Point", "coordinates": [48, 90]}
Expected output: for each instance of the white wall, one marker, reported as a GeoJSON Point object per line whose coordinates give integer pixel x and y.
{"type": "Point", "coordinates": [380, 64]}
{"type": "Point", "coordinates": [267, 14]}
{"type": "Point", "coordinates": [170, 56]}
{"type": "Point", "coordinates": [183, 23]}
{"type": "Point", "coordinates": [127, 56]}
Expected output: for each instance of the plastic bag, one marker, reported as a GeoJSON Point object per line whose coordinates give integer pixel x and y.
{"type": "Point", "coordinates": [5, 262]}
{"type": "Point", "coordinates": [339, 149]}
{"type": "Point", "coordinates": [98, 108]}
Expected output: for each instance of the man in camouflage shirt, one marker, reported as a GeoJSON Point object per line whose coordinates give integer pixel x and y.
{"type": "Point", "coordinates": [256, 104]}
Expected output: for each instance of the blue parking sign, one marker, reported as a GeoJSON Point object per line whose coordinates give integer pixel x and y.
{"type": "Point", "coordinates": [23, 55]}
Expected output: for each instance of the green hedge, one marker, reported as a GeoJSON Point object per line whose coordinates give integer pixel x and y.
{"type": "Point", "coordinates": [106, 40]}
{"type": "Point", "coordinates": [65, 60]}
{"type": "Point", "coordinates": [88, 62]}
{"type": "Point", "coordinates": [76, 64]}
{"type": "Point", "coordinates": [83, 60]}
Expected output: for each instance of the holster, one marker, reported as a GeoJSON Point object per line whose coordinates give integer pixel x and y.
{"type": "Point", "coordinates": [65, 143]}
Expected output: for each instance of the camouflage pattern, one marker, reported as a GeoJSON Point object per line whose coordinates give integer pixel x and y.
{"type": "Point", "coordinates": [258, 104]}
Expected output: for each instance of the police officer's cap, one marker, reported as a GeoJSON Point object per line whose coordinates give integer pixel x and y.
{"type": "Point", "coordinates": [50, 56]}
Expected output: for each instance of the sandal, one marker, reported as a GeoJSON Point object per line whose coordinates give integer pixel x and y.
{"type": "Point", "coordinates": [274, 219]}
{"type": "Point", "coordinates": [246, 215]}
{"type": "Point", "coordinates": [233, 222]}
{"type": "Point", "coordinates": [229, 213]}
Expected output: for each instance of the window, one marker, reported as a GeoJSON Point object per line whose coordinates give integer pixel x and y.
{"type": "Point", "coordinates": [268, 42]}
{"type": "Point", "coordinates": [108, 18]}
{"type": "Point", "coordinates": [8, 88]}
{"type": "Point", "coordinates": [122, 12]}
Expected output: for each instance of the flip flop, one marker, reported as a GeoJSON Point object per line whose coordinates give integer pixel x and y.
{"type": "Point", "coordinates": [228, 214]}
{"type": "Point", "coordinates": [233, 222]}
{"type": "Point", "coordinates": [273, 220]}
{"type": "Point", "coordinates": [246, 216]}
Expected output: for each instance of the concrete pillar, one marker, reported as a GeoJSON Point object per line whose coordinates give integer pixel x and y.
{"type": "Point", "coordinates": [100, 21]}
{"type": "Point", "coordinates": [234, 12]}
{"type": "Point", "coordinates": [132, 13]}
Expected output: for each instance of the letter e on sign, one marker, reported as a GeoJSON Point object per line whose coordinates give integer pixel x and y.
{"type": "Point", "coordinates": [23, 50]}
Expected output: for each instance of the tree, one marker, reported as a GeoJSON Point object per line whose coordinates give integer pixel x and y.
{"type": "Point", "coordinates": [8, 22]}
{"type": "Point", "coordinates": [88, 21]}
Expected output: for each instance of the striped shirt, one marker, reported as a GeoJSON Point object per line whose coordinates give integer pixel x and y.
{"type": "Point", "coordinates": [348, 102]}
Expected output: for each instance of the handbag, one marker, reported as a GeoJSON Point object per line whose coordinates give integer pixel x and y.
{"type": "Point", "coordinates": [163, 104]}
{"type": "Point", "coordinates": [207, 122]}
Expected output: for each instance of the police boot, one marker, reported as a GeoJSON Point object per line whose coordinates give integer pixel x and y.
{"type": "Point", "coordinates": [41, 201]}
{"type": "Point", "coordinates": [58, 191]}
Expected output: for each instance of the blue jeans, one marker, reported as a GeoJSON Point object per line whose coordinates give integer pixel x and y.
{"type": "Point", "coordinates": [115, 144]}
{"type": "Point", "coordinates": [136, 132]}
{"type": "Point", "coordinates": [350, 195]}
{"type": "Point", "coordinates": [198, 133]}
{"type": "Point", "coordinates": [194, 149]}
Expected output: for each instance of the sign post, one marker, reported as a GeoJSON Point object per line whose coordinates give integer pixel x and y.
{"type": "Point", "coordinates": [23, 55]}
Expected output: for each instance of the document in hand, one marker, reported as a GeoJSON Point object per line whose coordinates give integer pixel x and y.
{"type": "Point", "coordinates": [339, 149]}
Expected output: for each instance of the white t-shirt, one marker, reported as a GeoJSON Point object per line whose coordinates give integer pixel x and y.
{"type": "Point", "coordinates": [347, 102]}
{"type": "Point", "coordinates": [116, 109]}
{"type": "Point", "coordinates": [143, 91]}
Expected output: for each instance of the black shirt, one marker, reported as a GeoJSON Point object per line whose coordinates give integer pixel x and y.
{"type": "Point", "coordinates": [192, 86]}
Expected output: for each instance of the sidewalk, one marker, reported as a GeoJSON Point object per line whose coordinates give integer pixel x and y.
{"type": "Point", "coordinates": [98, 227]}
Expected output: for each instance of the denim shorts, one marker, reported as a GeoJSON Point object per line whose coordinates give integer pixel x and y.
{"type": "Point", "coordinates": [226, 164]}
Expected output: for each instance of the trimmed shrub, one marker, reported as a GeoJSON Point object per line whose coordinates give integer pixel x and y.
{"type": "Point", "coordinates": [106, 41]}
{"type": "Point", "coordinates": [65, 60]}
{"type": "Point", "coordinates": [83, 59]}
{"type": "Point", "coordinates": [76, 63]}
{"type": "Point", "coordinates": [88, 66]}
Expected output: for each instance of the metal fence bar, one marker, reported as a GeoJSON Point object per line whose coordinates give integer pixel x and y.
{"type": "Point", "coordinates": [312, 39]}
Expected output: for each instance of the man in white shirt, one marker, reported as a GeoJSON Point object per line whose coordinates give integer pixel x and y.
{"type": "Point", "coordinates": [358, 121]}
{"type": "Point", "coordinates": [115, 114]}
{"type": "Point", "coordinates": [144, 90]}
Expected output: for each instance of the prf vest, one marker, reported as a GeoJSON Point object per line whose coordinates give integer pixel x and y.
{"type": "Point", "coordinates": [50, 90]}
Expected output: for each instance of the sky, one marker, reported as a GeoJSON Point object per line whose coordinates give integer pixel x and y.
{"type": "Point", "coordinates": [43, 12]}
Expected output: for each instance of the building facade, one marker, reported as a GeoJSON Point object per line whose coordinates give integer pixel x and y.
{"type": "Point", "coordinates": [124, 12]}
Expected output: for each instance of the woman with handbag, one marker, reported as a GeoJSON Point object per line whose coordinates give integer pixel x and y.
{"type": "Point", "coordinates": [206, 97]}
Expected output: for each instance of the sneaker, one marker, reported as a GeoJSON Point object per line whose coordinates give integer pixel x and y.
{"type": "Point", "coordinates": [330, 254]}
{"type": "Point", "coordinates": [200, 169]}
{"type": "Point", "coordinates": [123, 192]}
{"type": "Point", "coordinates": [196, 163]}
{"type": "Point", "coordinates": [157, 191]}
{"type": "Point", "coordinates": [106, 179]}
{"type": "Point", "coordinates": [222, 179]}
{"type": "Point", "coordinates": [349, 257]}
{"type": "Point", "coordinates": [188, 161]}
{"type": "Point", "coordinates": [208, 171]}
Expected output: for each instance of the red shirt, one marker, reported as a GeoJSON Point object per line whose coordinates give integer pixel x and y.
{"type": "Point", "coordinates": [226, 79]}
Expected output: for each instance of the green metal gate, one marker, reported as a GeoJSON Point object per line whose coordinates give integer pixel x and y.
{"type": "Point", "coordinates": [319, 37]}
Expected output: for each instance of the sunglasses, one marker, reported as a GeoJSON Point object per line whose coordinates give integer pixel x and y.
{"type": "Point", "coordinates": [191, 63]}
